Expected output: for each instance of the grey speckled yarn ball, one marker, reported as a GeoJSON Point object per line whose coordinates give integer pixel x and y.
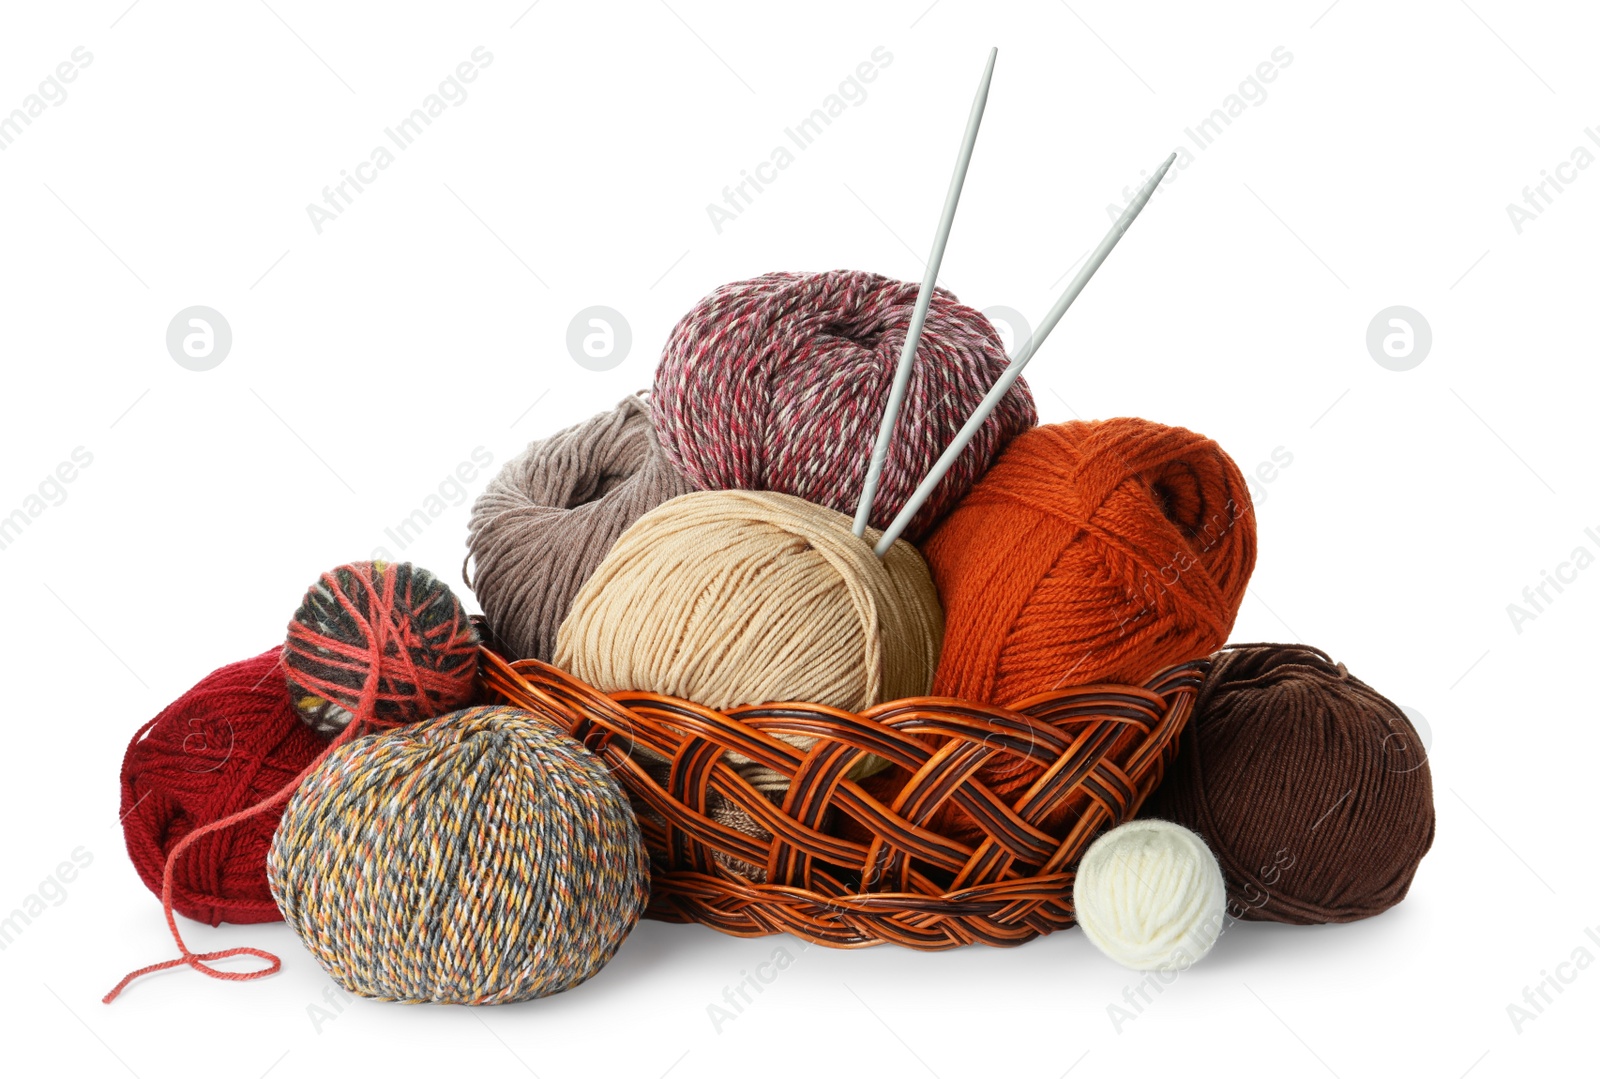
{"type": "Point", "coordinates": [545, 522]}
{"type": "Point", "coordinates": [482, 857]}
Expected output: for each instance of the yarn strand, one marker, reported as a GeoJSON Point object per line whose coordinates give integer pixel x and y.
{"type": "Point", "coordinates": [362, 721]}
{"type": "Point", "coordinates": [198, 960]}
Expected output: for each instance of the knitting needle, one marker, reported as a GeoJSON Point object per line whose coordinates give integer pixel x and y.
{"type": "Point", "coordinates": [1014, 370]}
{"type": "Point", "coordinates": [919, 313]}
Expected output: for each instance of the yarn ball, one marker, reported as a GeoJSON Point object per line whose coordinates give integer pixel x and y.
{"type": "Point", "coordinates": [385, 640]}
{"type": "Point", "coordinates": [1093, 551]}
{"type": "Point", "coordinates": [544, 523]}
{"type": "Point", "coordinates": [1312, 788]}
{"type": "Point", "coordinates": [744, 597]}
{"type": "Point", "coordinates": [779, 383]}
{"type": "Point", "coordinates": [1149, 895]}
{"type": "Point", "coordinates": [481, 857]}
{"type": "Point", "coordinates": [226, 744]}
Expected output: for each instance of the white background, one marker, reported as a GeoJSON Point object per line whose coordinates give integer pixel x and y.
{"type": "Point", "coordinates": [430, 319]}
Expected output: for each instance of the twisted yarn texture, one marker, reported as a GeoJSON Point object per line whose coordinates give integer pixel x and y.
{"type": "Point", "coordinates": [779, 383]}
{"type": "Point", "coordinates": [374, 645]}
{"type": "Point", "coordinates": [1312, 788]}
{"type": "Point", "coordinates": [1093, 551]}
{"type": "Point", "coordinates": [223, 746]}
{"type": "Point", "coordinates": [394, 616]}
{"type": "Point", "coordinates": [743, 597]}
{"type": "Point", "coordinates": [1150, 896]}
{"type": "Point", "coordinates": [482, 857]}
{"type": "Point", "coordinates": [545, 522]}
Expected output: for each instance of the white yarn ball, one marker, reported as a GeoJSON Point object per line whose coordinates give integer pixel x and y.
{"type": "Point", "coordinates": [1149, 894]}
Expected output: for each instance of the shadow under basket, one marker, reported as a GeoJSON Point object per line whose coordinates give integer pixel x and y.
{"type": "Point", "coordinates": [842, 868]}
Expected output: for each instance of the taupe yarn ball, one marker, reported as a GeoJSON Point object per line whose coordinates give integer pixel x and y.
{"type": "Point", "coordinates": [544, 523]}
{"type": "Point", "coordinates": [742, 597]}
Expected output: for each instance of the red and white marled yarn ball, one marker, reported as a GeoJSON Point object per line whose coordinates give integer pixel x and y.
{"type": "Point", "coordinates": [779, 384]}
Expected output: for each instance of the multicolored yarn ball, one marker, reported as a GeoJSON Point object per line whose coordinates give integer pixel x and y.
{"type": "Point", "coordinates": [544, 523]}
{"type": "Point", "coordinates": [482, 857]}
{"type": "Point", "coordinates": [226, 744]}
{"type": "Point", "coordinates": [1149, 895]}
{"type": "Point", "coordinates": [743, 597]}
{"type": "Point", "coordinates": [373, 646]}
{"type": "Point", "coordinates": [386, 640]}
{"type": "Point", "coordinates": [1312, 788]}
{"type": "Point", "coordinates": [779, 383]}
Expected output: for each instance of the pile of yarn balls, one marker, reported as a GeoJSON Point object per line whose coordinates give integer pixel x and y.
{"type": "Point", "coordinates": [423, 849]}
{"type": "Point", "coordinates": [695, 541]}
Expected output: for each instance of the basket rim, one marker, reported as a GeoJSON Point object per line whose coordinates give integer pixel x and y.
{"type": "Point", "coordinates": [1152, 687]}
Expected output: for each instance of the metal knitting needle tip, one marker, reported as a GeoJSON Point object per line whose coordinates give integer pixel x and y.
{"type": "Point", "coordinates": [902, 372]}
{"type": "Point", "coordinates": [1014, 371]}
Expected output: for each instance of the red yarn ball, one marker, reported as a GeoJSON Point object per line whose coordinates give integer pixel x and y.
{"type": "Point", "coordinates": [373, 646]}
{"type": "Point", "coordinates": [386, 641]}
{"type": "Point", "coordinates": [231, 741]}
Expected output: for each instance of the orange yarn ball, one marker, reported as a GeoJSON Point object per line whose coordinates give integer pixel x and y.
{"type": "Point", "coordinates": [1099, 551]}
{"type": "Point", "coordinates": [1092, 551]}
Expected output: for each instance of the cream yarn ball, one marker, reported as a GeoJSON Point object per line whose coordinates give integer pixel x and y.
{"type": "Point", "coordinates": [742, 597]}
{"type": "Point", "coordinates": [1149, 894]}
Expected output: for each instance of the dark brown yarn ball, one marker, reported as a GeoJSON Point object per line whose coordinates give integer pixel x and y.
{"type": "Point", "coordinates": [1312, 788]}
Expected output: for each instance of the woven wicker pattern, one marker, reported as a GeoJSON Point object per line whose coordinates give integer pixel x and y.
{"type": "Point", "coordinates": [1103, 749]}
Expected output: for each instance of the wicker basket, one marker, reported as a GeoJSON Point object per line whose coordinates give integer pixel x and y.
{"type": "Point", "coordinates": [1104, 749]}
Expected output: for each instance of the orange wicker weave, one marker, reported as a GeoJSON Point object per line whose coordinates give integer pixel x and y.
{"type": "Point", "coordinates": [1105, 748]}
